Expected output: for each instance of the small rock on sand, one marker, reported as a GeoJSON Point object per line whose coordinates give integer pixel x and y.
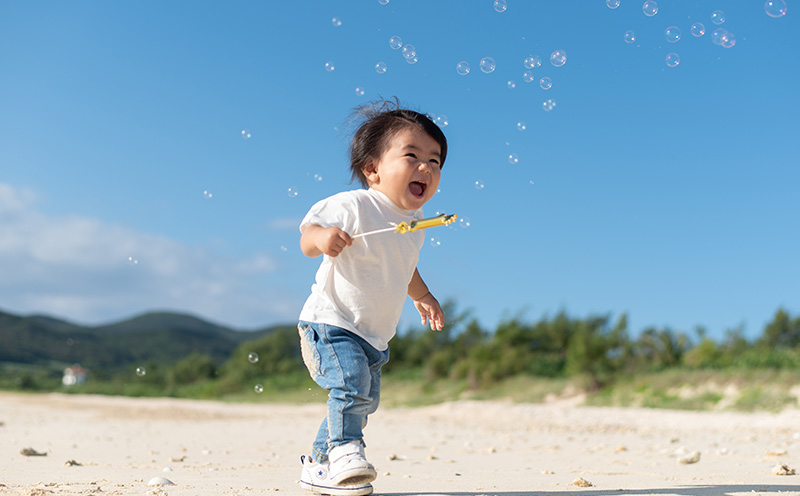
{"type": "Point", "coordinates": [30, 452]}
{"type": "Point", "coordinates": [581, 482]}
{"type": "Point", "coordinates": [693, 457]}
{"type": "Point", "coordinates": [160, 481]}
{"type": "Point", "coordinates": [783, 469]}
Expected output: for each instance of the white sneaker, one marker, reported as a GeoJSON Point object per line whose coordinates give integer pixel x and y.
{"type": "Point", "coordinates": [348, 465]}
{"type": "Point", "coordinates": [316, 478]}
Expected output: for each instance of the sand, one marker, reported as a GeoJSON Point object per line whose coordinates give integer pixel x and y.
{"type": "Point", "coordinates": [112, 445]}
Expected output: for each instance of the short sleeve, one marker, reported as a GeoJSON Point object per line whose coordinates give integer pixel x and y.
{"type": "Point", "coordinates": [335, 211]}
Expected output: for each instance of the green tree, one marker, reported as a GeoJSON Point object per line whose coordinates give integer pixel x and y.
{"type": "Point", "coordinates": [782, 332]}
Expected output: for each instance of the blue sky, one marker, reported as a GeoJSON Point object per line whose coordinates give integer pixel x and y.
{"type": "Point", "coordinates": [667, 193]}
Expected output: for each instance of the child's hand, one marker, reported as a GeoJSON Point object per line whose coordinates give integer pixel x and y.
{"type": "Point", "coordinates": [430, 311]}
{"type": "Point", "coordinates": [332, 240]}
{"type": "Point", "coordinates": [317, 240]}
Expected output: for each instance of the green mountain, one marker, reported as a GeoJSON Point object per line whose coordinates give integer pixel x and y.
{"type": "Point", "coordinates": [160, 337]}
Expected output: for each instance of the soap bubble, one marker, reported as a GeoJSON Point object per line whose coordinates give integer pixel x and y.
{"type": "Point", "coordinates": [629, 37]}
{"type": "Point", "coordinates": [532, 62]}
{"type": "Point", "coordinates": [132, 261]}
{"type": "Point", "coordinates": [258, 388]}
{"type": "Point", "coordinates": [728, 40]}
{"type": "Point", "coordinates": [650, 8]}
{"type": "Point", "coordinates": [396, 42]}
{"type": "Point", "coordinates": [360, 91]}
{"type": "Point", "coordinates": [329, 66]}
{"type": "Point", "coordinates": [409, 51]}
{"type": "Point", "coordinates": [548, 105]}
{"type": "Point", "coordinates": [292, 192]}
{"type": "Point", "coordinates": [718, 17]}
{"type": "Point", "coordinates": [252, 357]}
{"type": "Point", "coordinates": [434, 241]}
{"type": "Point", "coordinates": [698, 29]}
{"type": "Point", "coordinates": [775, 8]}
{"type": "Point", "coordinates": [673, 59]}
{"type": "Point", "coordinates": [380, 67]}
{"type": "Point", "coordinates": [336, 22]}
{"type": "Point", "coordinates": [479, 184]}
{"type": "Point", "coordinates": [500, 5]}
{"type": "Point", "coordinates": [412, 60]}
{"type": "Point", "coordinates": [464, 222]}
{"type": "Point", "coordinates": [717, 35]}
{"type": "Point", "coordinates": [527, 76]}
{"type": "Point", "coordinates": [462, 68]}
{"type": "Point", "coordinates": [546, 83]}
{"type": "Point", "coordinates": [521, 126]}
{"type": "Point", "coordinates": [511, 84]}
{"type": "Point", "coordinates": [383, 2]}
{"type": "Point", "coordinates": [207, 194]}
{"type": "Point", "coordinates": [318, 178]}
{"type": "Point", "coordinates": [140, 371]}
{"type": "Point", "coordinates": [513, 159]}
{"type": "Point", "coordinates": [612, 4]}
{"type": "Point", "coordinates": [246, 134]}
{"type": "Point", "coordinates": [672, 34]}
{"type": "Point", "coordinates": [487, 65]}
{"type": "Point", "coordinates": [441, 120]}
{"type": "Point", "coordinates": [558, 58]}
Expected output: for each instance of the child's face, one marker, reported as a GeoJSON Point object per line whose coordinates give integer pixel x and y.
{"type": "Point", "coordinates": [409, 171]}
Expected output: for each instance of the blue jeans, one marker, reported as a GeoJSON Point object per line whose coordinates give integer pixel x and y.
{"type": "Point", "coordinates": [350, 369]}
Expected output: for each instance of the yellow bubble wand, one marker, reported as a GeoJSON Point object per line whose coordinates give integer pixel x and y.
{"type": "Point", "coordinates": [414, 225]}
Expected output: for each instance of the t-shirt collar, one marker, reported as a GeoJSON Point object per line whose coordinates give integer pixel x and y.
{"type": "Point", "coordinates": [388, 202]}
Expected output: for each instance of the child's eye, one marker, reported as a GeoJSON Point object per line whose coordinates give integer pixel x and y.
{"type": "Point", "coordinates": [411, 155]}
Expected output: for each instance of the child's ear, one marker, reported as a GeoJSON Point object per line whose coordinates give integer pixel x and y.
{"type": "Point", "coordinates": [371, 172]}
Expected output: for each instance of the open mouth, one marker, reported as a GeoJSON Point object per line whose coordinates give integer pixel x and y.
{"type": "Point", "coordinates": [417, 188]}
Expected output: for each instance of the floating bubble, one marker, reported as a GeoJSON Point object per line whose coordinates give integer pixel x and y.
{"type": "Point", "coordinates": [441, 120]}
{"type": "Point", "coordinates": [728, 40]}
{"type": "Point", "coordinates": [612, 4]}
{"type": "Point", "coordinates": [479, 184]}
{"type": "Point", "coordinates": [246, 134]}
{"type": "Point", "coordinates": [132, 261]}
{"type": "Point", "coordinates": [336, 22]}
{"type": "Point", "coordinates": [329, 66]}
{"type": "Point", "coordinates": [650, 8]}
{"type": "Point", "coordinates": [396, 42]}
{"type": "Point", "coordinates": [462, 68]}
{"type": "Point", "coordinates": [383, 2]}
{"type": "Point", "coordinates": [673, 59]}
{"type": "Point", "coordinates": [500, 5]}
{"type": "Point", "coordinates": [464, 222]}
{"type": "Point", "coordinates": [511, 84]}
{"type": "Point", "coordinates": [140, 371]}
{"type": "Point", "coordinates": [380, 67]}
{"type": "Point", "coordinates": [558, 58]}
{"type": "Point", "coordinates": [629, 37]}
{"type": "Point", "coordinates": [252, 357]}
{"type": "Point", "coordinates": [775, 8]}
{"type": "Point", "coordinates": [207, 194]}
{"type": "Point", "coordinates": [434, 241]}
{"type": "Point", "coordinates": [717, 35]}
{"type": "Point", "coordinates": [698, 29]}
{"type": "Point", "coordinates": [318, 178]}
{"type": "Point", "coordinates": [528, 76]}
{"type": "Point", "coordinates": [672, 34]}
{"type": "Point", "coordinates": [360, 91]}
{"type": "Point", "coordinates": [284, 249]}
{"type": "Point", "coordinates": [258, 388]}
{"type": "Point", "coordinates": [292, 192]}
{"type": "Point", "coordinates": [487, 65]}
{"type": "Point", "coordinates": [412, 60]}
{"type": "Point", "coordinates": [548, 105]}
{"type": "Point", "coordinates": [513, 159]}
{"type": "Point", "coordinates": [532, 62]}
{"type": "Point", "coordinates": [718, 17]}
{"type": "Point", "coordinates": [409, 51]}
{"type": "Point", "coordinates": [521, 126]}
{"type": "Point", "coordinates": [546, 83]}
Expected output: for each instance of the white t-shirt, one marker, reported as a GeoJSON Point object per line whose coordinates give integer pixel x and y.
{"type": "Point", "coordinates": [363, 289]}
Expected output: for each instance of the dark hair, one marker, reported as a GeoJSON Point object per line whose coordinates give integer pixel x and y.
{"type": "Point", "coordinates": [379, 122]}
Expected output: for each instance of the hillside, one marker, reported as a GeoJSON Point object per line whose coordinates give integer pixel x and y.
{"type": "Point", "coordinates": [161, 337]}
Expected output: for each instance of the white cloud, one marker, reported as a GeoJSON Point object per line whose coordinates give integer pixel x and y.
{"type": "Point", "coordinates": [93, 272]}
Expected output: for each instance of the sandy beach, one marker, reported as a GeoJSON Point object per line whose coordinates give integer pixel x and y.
{"type": "Point", "coordinates": [116, 446]}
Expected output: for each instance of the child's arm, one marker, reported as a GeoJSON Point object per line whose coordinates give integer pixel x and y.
{"type": "Point", "coordinates": [317, 240]}
{"type": "Point", "coordinates": [425, 303]}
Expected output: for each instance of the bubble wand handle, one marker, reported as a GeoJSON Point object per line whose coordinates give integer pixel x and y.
{"type": "Point", "coordinates": [414, 225]}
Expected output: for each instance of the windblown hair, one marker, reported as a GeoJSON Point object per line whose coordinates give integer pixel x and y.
{"type": "Point", "coordinates": [378, 122]}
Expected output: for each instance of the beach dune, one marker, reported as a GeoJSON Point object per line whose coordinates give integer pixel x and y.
{"type": "Point", "coordinates": [82, 445]}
